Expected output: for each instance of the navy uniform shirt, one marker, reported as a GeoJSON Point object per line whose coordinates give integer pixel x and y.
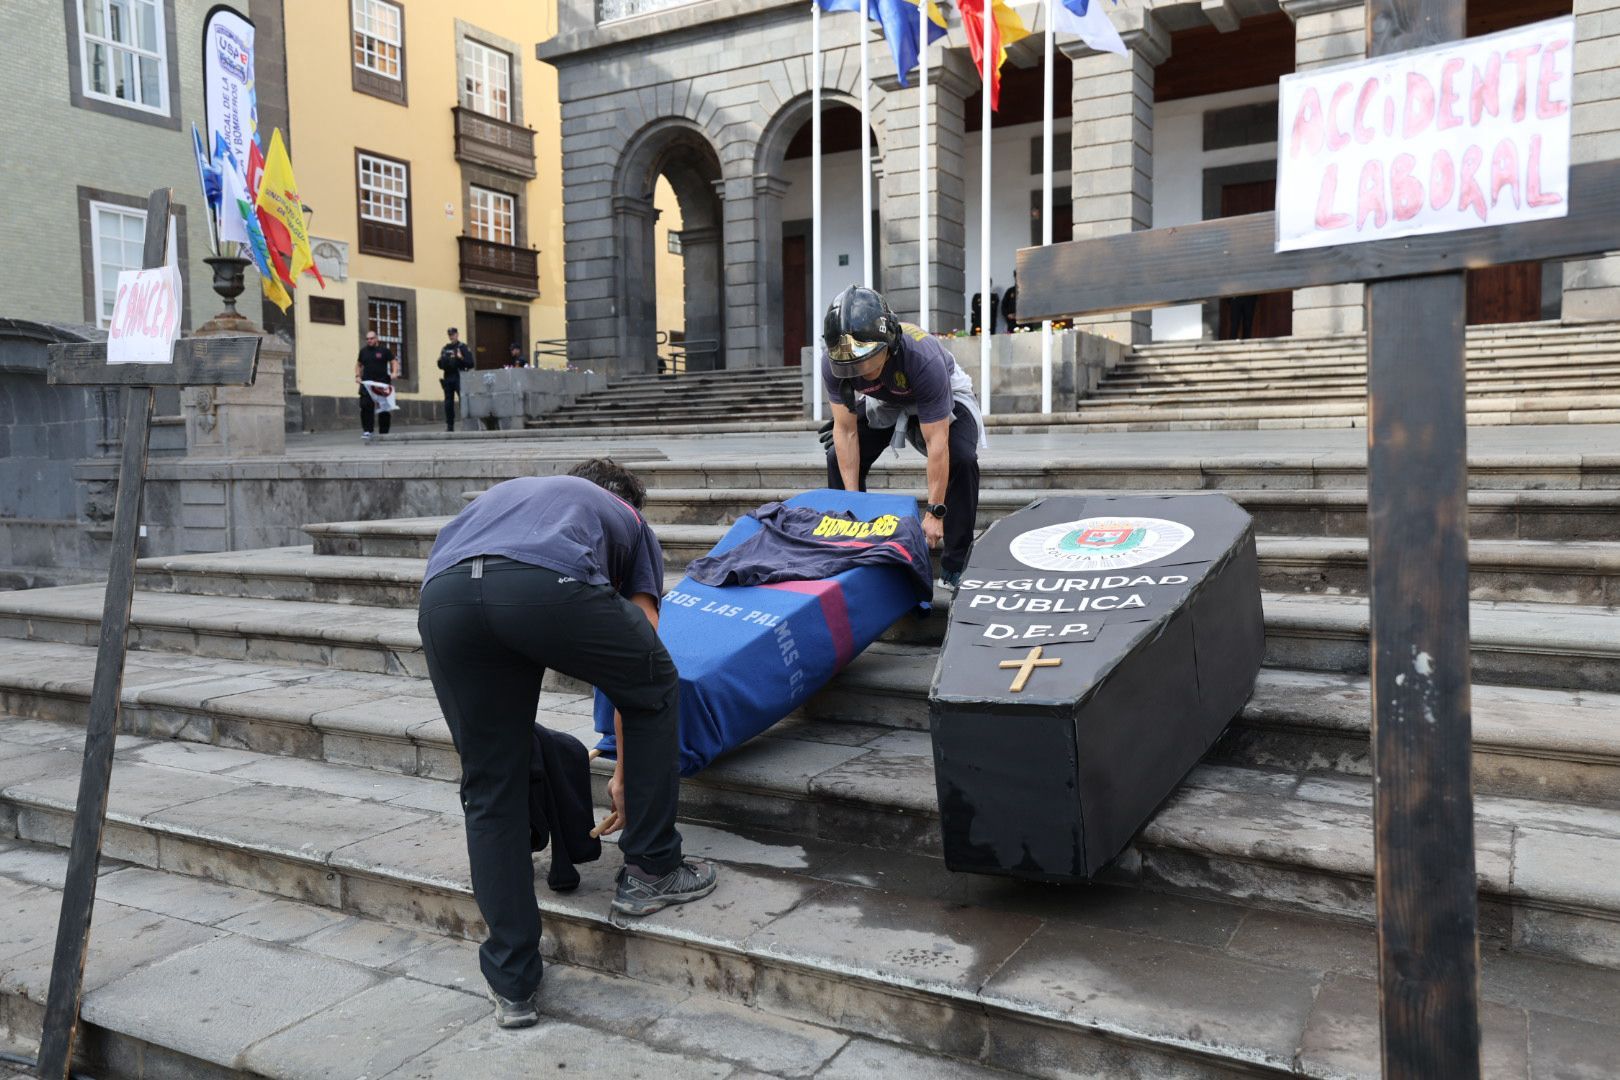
{"type": "Point", "coordinates": [563, 523]}
{"type": "Point", "coordinates": [375, 363]}
{"type": "Point", "coordinates": [918, 372]}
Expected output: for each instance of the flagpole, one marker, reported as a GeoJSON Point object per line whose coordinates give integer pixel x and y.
{"type": "Point", "coordinates": [922, 166]}
{"type": "Point", "coordinates": [866, 151]}
{"type": "Point", "coordinates": [1046, 200]}
{"type": "Point", "coordinates": [987, 15]}
{"type": "Point", "coordinates": [816, 311]}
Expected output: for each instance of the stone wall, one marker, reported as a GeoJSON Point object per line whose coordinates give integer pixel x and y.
{"type": "Point", "coordinates": [504, 398]}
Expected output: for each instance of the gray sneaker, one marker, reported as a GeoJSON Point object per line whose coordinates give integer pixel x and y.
{"type": "Point", "coordinates": [692, 880]}
{"type": "Point", "coordinates": [516, 1014]}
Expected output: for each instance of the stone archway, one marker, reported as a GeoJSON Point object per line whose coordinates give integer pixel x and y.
{"type": "Point", "coordinates": [769, 161]}
{"type": "Point", "coordinates": [680, 153]}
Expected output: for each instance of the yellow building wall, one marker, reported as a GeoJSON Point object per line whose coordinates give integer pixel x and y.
{"type": "Point", "coordinates": [330, 120]}
{"type": "Point", "coordinates": [668, 268]}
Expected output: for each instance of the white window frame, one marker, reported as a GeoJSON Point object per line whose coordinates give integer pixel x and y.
{"type": "Point", "coordinates": [115, 47]}
{"type": "Point", "coordinates": [381, 193]}
{"type": "Point", "coordinates": [492, 215]}
{"type": "Point", "coordinates": [395, 342]}
{"type": "Point", "coordinates": [98, 281]}
{"type": "Point", "coordinates": [486, 69]}
{"type": "Point", "coordinates": [371, 36]}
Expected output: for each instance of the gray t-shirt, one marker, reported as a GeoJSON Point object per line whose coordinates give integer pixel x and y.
{"type": "Point", "coordinates": [918, 372]}
{"type": "Point", "coordinates": [563, 523]}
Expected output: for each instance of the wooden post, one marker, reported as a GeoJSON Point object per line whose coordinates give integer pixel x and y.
{"type": "Point", "coordinates": [212, 361]}
{"type": "Point", "coordinates": [1422, 742]}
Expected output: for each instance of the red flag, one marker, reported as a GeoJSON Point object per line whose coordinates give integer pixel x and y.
{"type": "Point", "coordinates": [1006, 28]}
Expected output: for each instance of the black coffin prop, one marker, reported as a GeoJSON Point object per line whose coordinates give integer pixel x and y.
{"type": "Point", "coordinates": [1151, 605]}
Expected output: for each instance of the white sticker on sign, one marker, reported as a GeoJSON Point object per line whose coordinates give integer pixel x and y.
{"type": "Point", "coordinates": [1464, 135]}
{"type": "Point", "coordinates": [1100, 543]}
{"type": "Point", "coordinates": [146, 317]}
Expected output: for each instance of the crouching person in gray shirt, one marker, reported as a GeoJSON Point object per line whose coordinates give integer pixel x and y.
{"type": "Point", "coordinates": [558, 572]}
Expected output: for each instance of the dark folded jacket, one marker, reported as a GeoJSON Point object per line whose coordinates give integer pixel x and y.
{"type": "Point", "coordinates": [560, 809]}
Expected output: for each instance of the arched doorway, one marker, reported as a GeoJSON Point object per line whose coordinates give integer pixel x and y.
{"type": "Point", "coordinates": [679, 154]}
{"type": "Point", "coordinates": [785, 154]}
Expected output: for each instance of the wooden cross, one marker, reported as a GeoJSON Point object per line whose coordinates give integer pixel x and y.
{"type": "Point", "coordinates": [1417, 515]}
{"type": "Point", "coordinates": [1026, 667]}
{"type": "Point", "coordinates": [213, 361]}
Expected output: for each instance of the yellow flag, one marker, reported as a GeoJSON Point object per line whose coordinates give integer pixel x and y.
{"type": "Point", "coordinates": [276, 293]}
{"type": "Point", "coordinates": [278, 200]}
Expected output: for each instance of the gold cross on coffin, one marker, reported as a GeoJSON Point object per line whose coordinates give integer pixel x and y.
{"type": "Point", "coordinates": [1026, 666]}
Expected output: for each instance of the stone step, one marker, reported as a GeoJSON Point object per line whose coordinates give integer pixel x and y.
{"type": "Point", "coordinates": [1552, 374]}
{"type": "Point", "coordinates": [703, 378]}
{"type": "Point", "coordinates": [1601, 392]}
{"type": "Point", "coordinates": [675, 415]}
{"type": "Point", "coordinates": [1496, 515]}
{"type": "Point", "coordinates": [1538, 409]}
{"type": "Point", "coordinates": [1565, 572]}
{"type": "Point", "coordinates": [393, 849]}
{"type": "Point", "coordinates": [1526, 644]}
{"type": "Point", "coordinates": [1234, 474]}
{"type": "Point", "coordinates": [1546, 744]}
{"type": "Point", "coordinates": [1476, 335]}
{"type": "Point", "coordinates": [1210, 361]}
{"type": "Point", "coordinates": [337, 994]}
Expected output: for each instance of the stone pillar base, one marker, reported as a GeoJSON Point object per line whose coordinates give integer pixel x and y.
{"type": "Point", "coordinates": [239, 421]}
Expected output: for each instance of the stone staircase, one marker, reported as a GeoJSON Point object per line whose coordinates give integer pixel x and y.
{"type": "Point", "coordinates": [680, 401]}
{"type": "Point", "coordinates": [1520, 373]}
{"type": "Point", "coordinates": [282, 745]}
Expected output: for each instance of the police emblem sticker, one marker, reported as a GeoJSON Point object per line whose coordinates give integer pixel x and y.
{"type": "Point", "coordinates": [1100, 543]}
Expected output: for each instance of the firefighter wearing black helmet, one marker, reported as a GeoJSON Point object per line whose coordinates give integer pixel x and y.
{"type": "Point", "coordinates": [891, 383]}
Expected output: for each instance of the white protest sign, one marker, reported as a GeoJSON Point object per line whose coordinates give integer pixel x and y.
{"type": "Point", "coordinates": [1464, 135]}
{"type": "Point", "coordinates": [146, 317]}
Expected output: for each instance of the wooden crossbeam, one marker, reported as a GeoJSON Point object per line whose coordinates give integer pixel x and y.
{"type": "Point", "coordinates": [1234, 256]}
{"type": "Point", "coordinates": [211, 361]}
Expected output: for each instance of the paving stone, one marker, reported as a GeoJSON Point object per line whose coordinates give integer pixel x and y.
{"type": "Point", "coordinates": [1190, 920]}
{"type": "Point", "coordinates": [916, 941]}
{"type": "Point", "coordinates": [366, 784]}
{"type": "Point", "coordinates": [862, 1059]}
{"type": "Point", "coordinates": [368, 942]}
{"type": "Point", "coordinates": [38, 733]}
{"type": "Point", "coordinates": [431, 850]}
{"type": "Point", "coordinates": [485, 1051]}
{"type": "Point", "coordinates": [121, 940]}
{"type": "Point", "coordinates": [1310, 943]}
{"type": "Point", "coordinates": [190, 756]}
{"type": "Point", "coordinates": [22, 764]}
{"type": "Point", "coordinates": [606, 1002]}
{"type": "Point", "coordinates": [281, 921]}
{"type": "Point", "coordinates": [1342, 1037]}
{"type": "Point", "coordinates": [778, 851]}
{"type": "Point", "coordinates": [290, 821]}
{"type": "Point", "coordinates": [369, 1035]}
{"type": "Point", "coordinates": [30, 864]}
{"type": "Point", "coordinates": [1168, 991]}
{"type": "Point", "coordinates": [900, 781]}
{"type": "Point", "coordinates": [1566, 1049]}
{"type": "Point", "coordinates": [893, 871]}
{"type": "Point", "coordinates": [182, 897]}
{"type": "Point", "coordinates": [719, 1029]}
{"type": "Point", "coordinates": [137, 790]}
{"type": "Point", "coordinates": [1544, 985]}
{"type": "Point", "coordinates": [295, 704]}
{"type": "Point", "coordinates": [1575, 869]}
{"type": "Point", "coordinates": [29, 915]}
{"type": "Point", "coordinates": [451, 963]}
{"type": "Point", "coordinates": [201, 1003]}
{"type": "Point", "coordinates": [778, 764]}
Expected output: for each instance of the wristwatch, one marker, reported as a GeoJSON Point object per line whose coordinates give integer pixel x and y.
{"type": "Point", "coordinates": [937, 509]}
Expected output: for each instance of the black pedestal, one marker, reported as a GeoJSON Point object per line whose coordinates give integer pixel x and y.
{"type": "Point", "coordinates": [1151, 605]}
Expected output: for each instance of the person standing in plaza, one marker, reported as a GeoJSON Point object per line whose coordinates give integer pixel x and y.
{"type": "Point", "coordinates": [454, 358]}
{"type": "Point", "coordinates": [882, 375]}
{"type": "Point", "coordinates": [375, 370]}
{"type": "Point", "coordinates": [559, 573]}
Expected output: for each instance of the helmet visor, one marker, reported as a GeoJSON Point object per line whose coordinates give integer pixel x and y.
{"type": "Point", "coordinates": [847, 350]}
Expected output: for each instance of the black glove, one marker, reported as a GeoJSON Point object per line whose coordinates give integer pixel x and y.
{"type": "Point", "coordinates": [825, 434]}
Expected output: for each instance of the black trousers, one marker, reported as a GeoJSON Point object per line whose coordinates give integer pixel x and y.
{"type": "Point", "coordinates": [961, 492]}
{"type": "Point", "coordinates": [369, 414]}
{"type": "Point", "coordinates": [1242, 309]}
{"type": "Point", "coordinates": [450, 393]}
{"type": "Point", "coordinates": [489, 641]}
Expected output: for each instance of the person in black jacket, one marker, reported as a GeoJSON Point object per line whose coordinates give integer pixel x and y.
{"type": "Point", "coordinates": [375, 364]}
{"type": "Point", "coordinates": [454, 358]}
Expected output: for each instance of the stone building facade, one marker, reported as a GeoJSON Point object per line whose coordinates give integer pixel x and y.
{"type": "Point", "coordinates": [710, 95]}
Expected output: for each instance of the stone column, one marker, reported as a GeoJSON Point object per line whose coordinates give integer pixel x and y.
{"type": "Point", "coordinates": [701, 255]}
{"type": "Point", "coordinates": [1327, 32]}
{"type": "Point", "coordinates": [768, 286]}
{"type": "Point", "coordinates": [637, 315]}
{"type": "Point", "coordinates": [239, 421]}
{"type": "Point", "coordinates": [950, 82]}
{"type": "Point", "coordinates": [1111, 134]}
{"type": "Point", "coordinates": [1592, 286]}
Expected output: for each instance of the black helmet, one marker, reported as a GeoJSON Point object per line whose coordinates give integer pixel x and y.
{"type": "Point", "coordinates": [858, 324]}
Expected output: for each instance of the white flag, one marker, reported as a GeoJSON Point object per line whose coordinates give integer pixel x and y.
{"type": "Point", "coordinates": [1089, 23]}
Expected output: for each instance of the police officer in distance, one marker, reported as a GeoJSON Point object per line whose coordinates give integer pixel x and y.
{"type": "Point", "coordinates": [891, 383]}
{"type": "Point", "coordinates": [454, 358]}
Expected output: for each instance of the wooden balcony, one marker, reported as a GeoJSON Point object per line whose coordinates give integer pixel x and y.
{"type": "Point", "coordinates": [499, 268]}
{"type": "Point", "coordinates": [494, 144]}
